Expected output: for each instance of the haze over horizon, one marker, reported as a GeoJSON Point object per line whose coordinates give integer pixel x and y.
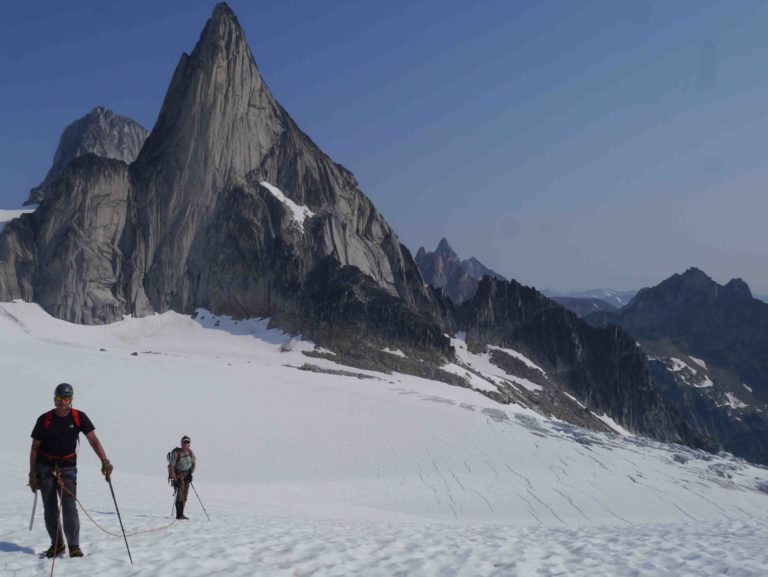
{"type": "Point", "coordinates": [565, 145]}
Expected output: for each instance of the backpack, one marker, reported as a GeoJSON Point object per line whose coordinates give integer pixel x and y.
{"type": "Point", "coordinates": [170, 454]}
{"type": "Point", "coordinates": [49, 418]}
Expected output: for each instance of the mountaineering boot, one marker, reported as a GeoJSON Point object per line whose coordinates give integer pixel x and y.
{"type": "Point", "coordinates": [75, 551]}
{"type": "Point", "coordinates": [180, 510]}
{"type": "Point", "coordinates": [53, 550]}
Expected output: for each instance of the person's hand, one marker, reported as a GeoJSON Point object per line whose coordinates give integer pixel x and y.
{"type": "Point", "coordinates": [189, 477]}
{"type": "Point", "coordinates": [33, 482]}
{"type": "Point", "coordinates": [106, 468]}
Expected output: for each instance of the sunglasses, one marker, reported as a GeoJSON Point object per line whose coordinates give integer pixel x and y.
{"type": "Point", "coordinates": [61, 398]}
{"type": "Point", "coordinates": [185, 443]}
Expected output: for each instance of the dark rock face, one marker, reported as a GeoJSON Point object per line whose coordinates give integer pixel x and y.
{"type": "Point", "coordinates": [711, 342]}
{"type": "Point", "coordinates": [723, 325]}
{"type": "Point", "coordinates": [457, 278]}
{"type": "Point", "coordinates": [62, 255]}
{"type": "Point", "coordinates": [711, 411]}
{"type": "Point", "coordinates": [100, 132]}
{"type": "Point", "coordinates": [604, 368]}
{"type": "Point", "coordinates": [585, 306]}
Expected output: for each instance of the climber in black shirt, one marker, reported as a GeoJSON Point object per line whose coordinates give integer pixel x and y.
{"type": "Point", "coordinates": [53, 463]}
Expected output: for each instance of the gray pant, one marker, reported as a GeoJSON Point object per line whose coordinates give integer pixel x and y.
{"type": "Point", "coordinates": [49, 490]}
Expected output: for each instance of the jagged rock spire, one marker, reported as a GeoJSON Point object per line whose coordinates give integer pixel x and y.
{"type": "Point", "coordinates": [218, 114]}
{"type": "Point", "coordinates": [445, 248]}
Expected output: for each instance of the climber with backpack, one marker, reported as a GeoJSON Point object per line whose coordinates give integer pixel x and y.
{"type": "Point", "coordinates": [181, 465]}
{"type": "Point", "coordinates": [53, 467]}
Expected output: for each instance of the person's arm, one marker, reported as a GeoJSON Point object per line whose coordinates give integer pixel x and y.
{"type": "Point", "coordinates": [194, 462]}
{"type": "Point", "coordinates": [33, 480]}
{"type": "Point", "coordinates": [96, 445]}
{"type": "Point", "coordinates": [106, 466]}
{"type": "Point", "coordinates": [33, 455]}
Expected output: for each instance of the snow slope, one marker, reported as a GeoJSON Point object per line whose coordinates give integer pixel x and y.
{"type": "Point", "coordinates": [305, 473]}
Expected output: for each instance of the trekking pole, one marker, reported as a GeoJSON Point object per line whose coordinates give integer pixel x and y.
{"type": "Point", "coordinates": [109, 480]}
{"type": "Point", "coordinates": [34, 508]}
{"type": "Point", "coordinates": [198, 498]}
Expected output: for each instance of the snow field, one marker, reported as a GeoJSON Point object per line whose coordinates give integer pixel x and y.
{"type": "Point", "coordinates": [316, 474]}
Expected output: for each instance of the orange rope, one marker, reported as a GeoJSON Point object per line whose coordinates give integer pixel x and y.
{"type": "Point", "coordinates": [110, 533]}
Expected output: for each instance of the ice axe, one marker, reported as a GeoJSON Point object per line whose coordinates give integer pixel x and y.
{"type": "Point", "coordinates": [34, 508]}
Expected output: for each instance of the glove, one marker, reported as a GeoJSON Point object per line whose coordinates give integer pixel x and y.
{"type": "Point", "coordinates": [106, 468]}
{"type": "Point", "coordinates": [189, 477]}
{"type": "Point", "coordinates": [33, 483]}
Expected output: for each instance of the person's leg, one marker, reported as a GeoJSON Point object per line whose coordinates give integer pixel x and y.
{"type": "Point", "coordinates": [48, 490]}
{"type": "Point", "coordinates": [184, 492]}
{"type": "Point", "coordinates": [69, 507]}
{"type": "Point", "coordinates": [179, 496]}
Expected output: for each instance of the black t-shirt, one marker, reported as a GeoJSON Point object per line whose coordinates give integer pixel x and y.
{"type": "Point", "coordinates": [60, 438]}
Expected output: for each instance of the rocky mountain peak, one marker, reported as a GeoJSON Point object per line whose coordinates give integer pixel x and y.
{"type": "Point", "coordinates": [678, 292]}
{"type": "Point", "coordinates": [445, 251]}
{"type": "Point", "coordinates": [723, 333]}
{"type": "Point", "coordinates": [218, 114]}
{"type": "Point", "coordinates": [223, 32]}
{"type": "Point", "coordinates": [690, 289]}
{"type": "Point", "coordinates": [100, 132]}
{"type": "Point", "coordinates": [222, 12]}
{"type": "Point", "coordinates": [217, 187]}
{"type": "Point", "coordinates": [696, 280]}
{"type": "Point", "coordinates": [737, 289]}
{"type": "Point", "coordinates": [445, 270]}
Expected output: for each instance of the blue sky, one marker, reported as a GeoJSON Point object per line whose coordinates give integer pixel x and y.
{"type": "Point", "coordinates": [566, 144]}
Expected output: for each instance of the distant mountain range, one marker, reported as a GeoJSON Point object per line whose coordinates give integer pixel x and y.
{"type": "Point", "coordinates": [230, 207]}
{"type": "Point", "coordinates": [585, 306]}
{"type": "Point", "coordinates": [616, 299]}
{"type": "Point", "coordinates": [708, 346]}
{"type": "Point", "coordinates": [457, 278]}
{"type": "Point", "coordinates": [500, 315]}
